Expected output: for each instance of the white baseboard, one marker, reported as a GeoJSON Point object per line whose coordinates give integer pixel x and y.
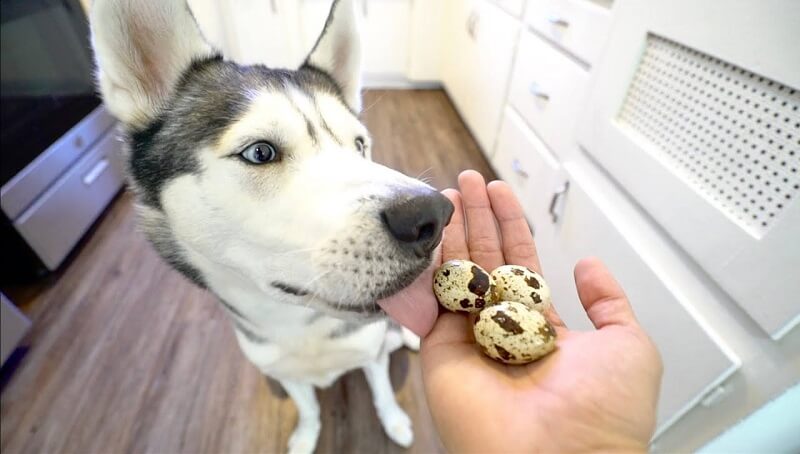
{"type": "Point", "coordinates": [396, 82]}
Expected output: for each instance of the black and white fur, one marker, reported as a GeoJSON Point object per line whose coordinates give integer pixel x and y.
{"type": "Point", "coordinates": [297, 248]}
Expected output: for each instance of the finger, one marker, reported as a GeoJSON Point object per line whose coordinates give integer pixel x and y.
{"type": "Point", "coordinates": [483, 239]}
{"type": "Point", "coordinates": [454, 239]}
{"type": "Point", "coordinates": [602, 297]}
{"type": "Point", "coordinates": [518, 246]}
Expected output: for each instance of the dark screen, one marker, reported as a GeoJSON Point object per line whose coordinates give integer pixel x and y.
{"type": "Point", "coordinates": [47, 85]}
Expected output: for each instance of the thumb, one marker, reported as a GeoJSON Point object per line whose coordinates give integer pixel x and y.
{"type": "Point", "coordinates": [602, 297]}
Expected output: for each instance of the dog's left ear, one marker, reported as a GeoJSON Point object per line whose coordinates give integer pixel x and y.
{"type": "Point", "coordinates": [338, 51]}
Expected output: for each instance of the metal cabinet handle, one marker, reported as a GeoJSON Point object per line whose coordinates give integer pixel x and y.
{"type": "Point", "coordinates": [557, 20]}
{"type": "Point", "coordinates": [560, 192]}
{"type": "Point", "coordinates": [536, 90]}
{"type": "Point", "coordinates": [274, 5]}
{"type": "Point", "coordinates": [516, 166]}
{"type": "Point", "coordinates": [97, 170]}
{"type": "Point", "coordinates": [472, 24]}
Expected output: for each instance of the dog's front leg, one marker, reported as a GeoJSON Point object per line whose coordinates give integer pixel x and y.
{"type": "Point", "coordinates": [394, 420]}
{"type": "Point", "coordinates": [305, 435]}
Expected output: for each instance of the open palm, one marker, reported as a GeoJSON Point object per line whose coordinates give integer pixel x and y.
{"type": "Point", "coordinates": [597, 391]}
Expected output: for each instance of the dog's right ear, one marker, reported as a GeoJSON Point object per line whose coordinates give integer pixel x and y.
{"type": "Point", "coordinates": [338, 51]}
{"type": "Point", "coordinates": [142, 48]}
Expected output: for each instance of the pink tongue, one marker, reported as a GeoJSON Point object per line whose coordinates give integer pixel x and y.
{"type": "Point", "coordinates": [415, 307]}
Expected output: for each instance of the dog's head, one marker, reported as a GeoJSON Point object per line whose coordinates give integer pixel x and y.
{"type": "Point", "coordinates": [260, 178]}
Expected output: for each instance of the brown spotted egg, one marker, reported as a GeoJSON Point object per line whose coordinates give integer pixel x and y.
{"type": "Point", "coordinates": [520, 284]}
{"type": "Point", "coordinates": [463, 286]}
{"type": "Point", "coordinates": [513, 333]}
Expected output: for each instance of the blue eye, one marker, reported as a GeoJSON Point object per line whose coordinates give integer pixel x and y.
{"type": "Point", "coordinates": [259, 153]}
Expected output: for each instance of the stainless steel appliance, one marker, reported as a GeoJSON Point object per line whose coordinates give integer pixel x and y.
{"type": "Point", "coordinates": [60, 159]}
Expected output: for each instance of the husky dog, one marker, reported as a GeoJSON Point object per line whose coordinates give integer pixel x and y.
{"type": "Point", "coordinates": [257, 184]}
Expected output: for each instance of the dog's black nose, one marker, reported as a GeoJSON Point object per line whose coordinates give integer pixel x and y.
{"type": "Point", "coordinates": [416, 220]}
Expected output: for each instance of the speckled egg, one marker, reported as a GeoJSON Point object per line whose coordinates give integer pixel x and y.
{"type": "Point", "coordinates": [513, 333]}
{"type": "Point", "coordinates": [520, 284]}
{"type": "Point", "coordinates": [463, 286]}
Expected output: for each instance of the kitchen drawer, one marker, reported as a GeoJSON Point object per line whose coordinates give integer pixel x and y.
{"type": "Point", "coordinates": [513, 7]}
{"type": "Point", "coordinates": [525, 163]}
{"type": "Point", "coordinates": [22, 190]}
{"type": "Point", "coordinates": [579, 26]}
{"type": "Point", "coordinates": [477, 66]}
{"type": "Point", "coordinates": [65, 211]}
{"type": "Point", "coordinates": [695, 360]}
{"type": "Point", "coordinates": [547, 88]}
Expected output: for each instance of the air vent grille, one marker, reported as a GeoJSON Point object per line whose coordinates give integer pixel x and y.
{"type": "Point", "coordinates": [732, 135]}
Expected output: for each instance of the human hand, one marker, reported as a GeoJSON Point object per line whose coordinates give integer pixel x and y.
{"type": "Point", "coordinates": [596, 392]}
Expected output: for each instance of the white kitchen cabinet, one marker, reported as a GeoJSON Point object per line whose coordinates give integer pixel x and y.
{"type": "Point", "coordinates": [281, 33]}
{"type": "Point", "coordinates": [513, 7]}
{"type": "Point", "coordinates": [385, 34]}
{"type": "Point", "coordinates": [579, 26]}
{"type": "Point", "coordinates": [693, 360]}
{"type": "Point", "coordinates": [425, 41]}
{"type": "Point", "coordinates": [549, 90]}
{"type": "Point", "coordinates": [701, 126]}
{"type": "Point", "coordinates": [585, 224]}
{"type": "Point", "coordinates": [522, 160]}
{"type": "Point", "coordinates": [480, 44]}
{"type": "Point", "coordinates": [252, 31]}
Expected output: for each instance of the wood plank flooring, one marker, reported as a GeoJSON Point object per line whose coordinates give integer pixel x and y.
{"type": "Point", "coordinates": [127, 356]}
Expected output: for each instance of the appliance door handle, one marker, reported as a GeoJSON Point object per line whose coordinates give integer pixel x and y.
{"type": "Point", "coordinates": [557, 196]}
{"type": "Point", "coordinates": [97, 170]}
{"type": "Point", "coordinates": [274, 5]}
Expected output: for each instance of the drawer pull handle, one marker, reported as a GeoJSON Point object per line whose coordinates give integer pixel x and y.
{"type": "Point", "coordinates": [95, 173]}
{"type": "Point", "coordinates": [472, 23]}
{"type": "Point", "coordinates": [516, 166]}
{"type": "Point", "coordinates": [537, 91]}
{"type": "Point", "coordinates": [557, 196]}
{"type": "Point", "coordinates": [557, 21]}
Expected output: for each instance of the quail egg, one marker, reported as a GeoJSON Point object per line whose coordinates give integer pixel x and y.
{"type": "Point", "coordinates": [522, 285]}
{"type": "Point", "coordinates": [513, 333]}
{"type": "Point", "coordinates": [463, 286]}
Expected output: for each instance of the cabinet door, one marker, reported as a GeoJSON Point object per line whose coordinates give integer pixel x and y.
{"type": "Point", "coordinates": [251, 31]}
{"type": "Point", "coordinates": [587, 225]}
{"type": "Point", "coordinates": [386, 28]}
{"type": "Point", "coordinates": [523, 161]}
{"type": "Point", "coordinates": [384, 33]}
{"type": "Point", "coordinates": [700, 123]}
{"type": "Point", "coordinates": [477, 64]}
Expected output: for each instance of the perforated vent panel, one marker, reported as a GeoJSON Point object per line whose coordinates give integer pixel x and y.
{"type": "Point", "coordinates": [732, 135]}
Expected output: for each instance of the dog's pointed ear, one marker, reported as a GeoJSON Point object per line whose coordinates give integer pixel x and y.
{"type": "Point", "coordinates": [141, 49]}
{"type": "Point", "coordinates": [338, 51]}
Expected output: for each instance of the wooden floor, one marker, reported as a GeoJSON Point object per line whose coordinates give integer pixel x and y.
{"type": "Point", "coordinates": [127, 356]}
